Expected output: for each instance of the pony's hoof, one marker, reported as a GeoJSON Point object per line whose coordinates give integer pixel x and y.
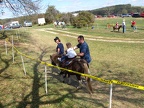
{"type": "Point", "coordinates": [68, 83]}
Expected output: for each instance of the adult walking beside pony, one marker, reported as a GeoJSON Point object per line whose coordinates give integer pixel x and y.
{"type": "Point", "coordinates": [124, 26]}
{"type": "Point", "coordinates": [60, 47]}
{"type": "Point", "coordinates": [84, 49]}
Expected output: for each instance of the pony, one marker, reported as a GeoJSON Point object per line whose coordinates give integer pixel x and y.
{"type": "Point", "coordinates": [114, 28]}
{"type": "Point", "coordinates": [76, 65]}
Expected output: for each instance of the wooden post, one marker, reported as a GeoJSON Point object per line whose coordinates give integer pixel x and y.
{"type": "Point", "coordinates": [46, 79]}
{"type": "Point", "coordinates": [6, 46]}
{"type": "Point", "coordinates": [12, 49]}
{"type": "Point", "coordinates": [23, 65]}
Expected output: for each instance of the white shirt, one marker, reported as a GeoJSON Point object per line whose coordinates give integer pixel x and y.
{"type": "Point", "coordinates": [123, 23]}
{"type": "Point", "coordinates": [71, 53]}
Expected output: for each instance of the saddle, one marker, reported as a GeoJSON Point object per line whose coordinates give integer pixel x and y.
{"type": "Point", "coordinates": [67, 62]}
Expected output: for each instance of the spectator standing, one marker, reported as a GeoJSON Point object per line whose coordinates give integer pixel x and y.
{"type": "Point", "coordinates": [124, 26]}
{"type": "Point", "coordinates": [133, 25]}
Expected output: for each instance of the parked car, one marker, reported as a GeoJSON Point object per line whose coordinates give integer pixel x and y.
{"type": "Point", "coordinates": [136, 15]}
{"type": "Point", "coordinates": [1, 27]}
{"type": "Point", "coordinates": [12, 25]}
{"type": "Point", "coordinates": [125, 15]}
{"type": "Point", "coordinates": [15, 25]}
{"type": "Point", "coordinates": [27, 24]}
{"type": "Point", "coordinates": [142, 14]}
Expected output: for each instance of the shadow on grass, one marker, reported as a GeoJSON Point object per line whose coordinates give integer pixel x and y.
{"type": "Point", "coordinates": [35, 87]}
{"type": "Point", "coordinates": [1, 106]}
{"type": "Point", "coordinates": [6, 62]}
{"type": "Point", "coordinates": [3, 35]}
{"type": "Point", "coordinates": [35, 93]}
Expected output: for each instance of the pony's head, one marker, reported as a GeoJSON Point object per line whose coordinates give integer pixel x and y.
{"type": "Point", "coordinates": [54, 59]}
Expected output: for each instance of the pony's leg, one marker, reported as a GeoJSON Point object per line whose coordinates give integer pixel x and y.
{"type": "Point", "coordinates": [79, 81]}
{"type": "Point", "coordinates": [88, 80]}
{"type": "Point", "coordinates": [62, 78]}
{"type": "Point", "coordinates": [89, 73]}
{"type": "Point", "coordinates": [69, 79]}
{"type": "Point", "coordinates": [80, 84]}
{"type": "Point", "coordinates": [88, 85]}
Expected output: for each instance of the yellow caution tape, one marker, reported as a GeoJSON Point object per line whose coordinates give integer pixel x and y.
{"type": "Point", "coordinates": [128, 84]}
{"type": "Point", "coordinates": [86, 75]}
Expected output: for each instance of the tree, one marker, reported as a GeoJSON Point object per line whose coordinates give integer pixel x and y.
{"type": "Point", "coordinates": [65, 17]}
{"type": "Point", "coordinates": [124, 11]}
{"type": "Point", "coordinates": [84, 19]}
{"type": "Point", "coordinates": [51, 14]}
{"type": "Point", "coordinates": [21, 6]}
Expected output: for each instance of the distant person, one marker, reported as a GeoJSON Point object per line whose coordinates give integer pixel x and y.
{"type": "Point", "coordinates": [124, 26]}
{"type": "Point", "coordinates": [63, 24]}
{"type": "Point", "coordinates": [60, 47]}
{"type": "Point", "coordinates": [117, 25]}
{"type": "Point", "coordinates": [133, 25]}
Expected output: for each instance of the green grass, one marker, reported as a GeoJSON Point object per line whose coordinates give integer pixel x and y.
{"type": "Point", "coordinates": [102, 30]}
{"type": "Point", "coordinates": [110, 60]}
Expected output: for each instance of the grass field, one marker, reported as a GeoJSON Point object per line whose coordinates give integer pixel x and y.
{"type": "Point", "coordinates": [115, 55]}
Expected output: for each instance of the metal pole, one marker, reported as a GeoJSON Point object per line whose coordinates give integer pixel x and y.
{"type": "Point", "coordinates": [110, 96]}
{"type": "Point", "coordinates": [12, 49]}
{"type": "Point", "coordinates": [18, 34]}
{"type": "Point", "coordinates": [23, 65]}
{"type": "Point", "coordinates": [6, 46]}
{"type": "Point", "coordinates": [46, 79]}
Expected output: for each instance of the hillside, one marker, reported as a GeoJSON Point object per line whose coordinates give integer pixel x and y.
{"type": "Point", "coordinates": [118, 9]}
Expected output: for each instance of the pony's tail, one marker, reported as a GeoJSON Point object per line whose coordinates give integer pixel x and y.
{"type": "Point", "coordinates": [86, 69]}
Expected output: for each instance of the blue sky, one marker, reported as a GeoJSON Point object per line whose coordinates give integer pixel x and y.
{"type": "Point", "coordinates": [75, 5]}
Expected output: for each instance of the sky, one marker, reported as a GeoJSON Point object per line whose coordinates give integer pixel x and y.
{"type": "Point", "coordinates": [76, 5]}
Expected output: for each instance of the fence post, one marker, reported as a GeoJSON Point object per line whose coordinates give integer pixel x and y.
{"type": "Point", "coordinates": [12, 49]}
{"type": "Point", "coordinates": [110, 102]}
{"type": "Point", "coordinates": [46, 79]}
{"type": "Point", "coordinates": [23, 65]}
{"type": "Point", "coordinates": [6, 46]}
{"type": "Point", "coordinates": [17, 34]}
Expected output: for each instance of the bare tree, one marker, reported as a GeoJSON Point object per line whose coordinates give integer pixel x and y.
{"type": "Point", "coordinates": [21, 6]}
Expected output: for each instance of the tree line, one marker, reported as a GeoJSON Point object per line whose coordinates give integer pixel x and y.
{"type": "Point", "coordinates": [83, 19]}
{"type": "Point", "coordinates": [117, 10]}
{"type": "Point", "coordinates": [51, 15]}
